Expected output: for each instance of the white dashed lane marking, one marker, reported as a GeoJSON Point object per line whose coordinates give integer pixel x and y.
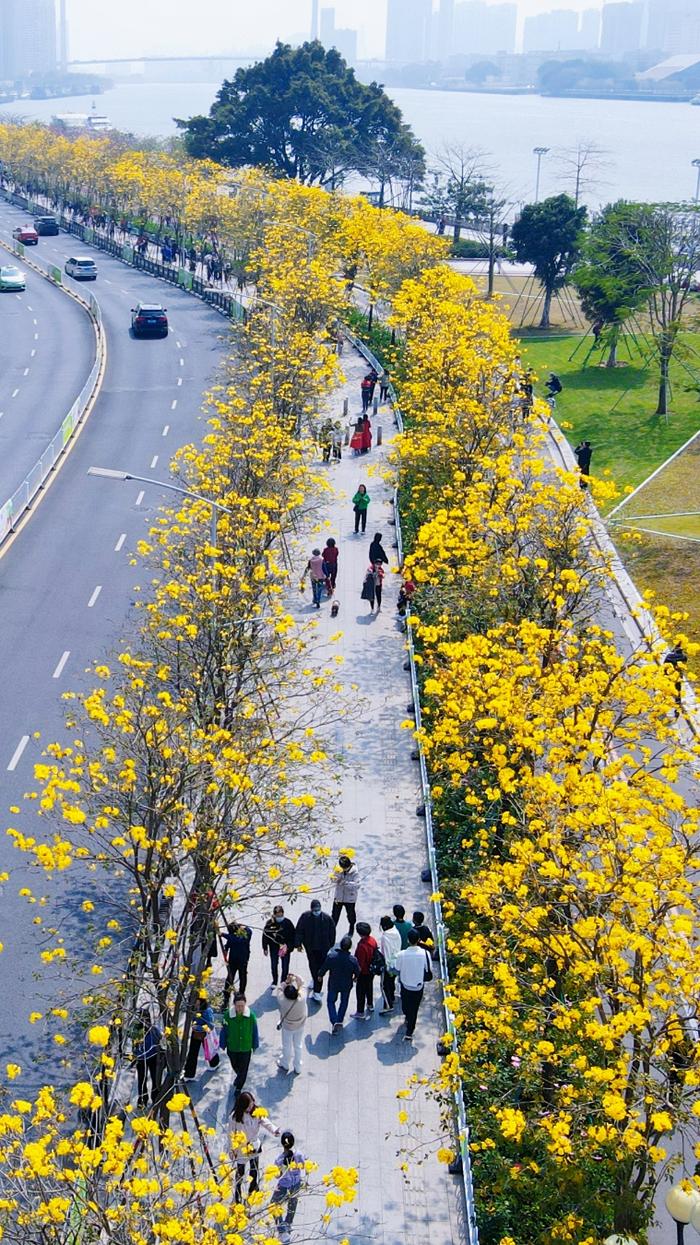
{"type": "Point", "coordinates": [17, 754]}
{"type": "Point", "coordinates": [59, 668]}
{"type": "Point", "coordinates": [94, 596]}
{"type": "Point", "coordinates": [120, 542]}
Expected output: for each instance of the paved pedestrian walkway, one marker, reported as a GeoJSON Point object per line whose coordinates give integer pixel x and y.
{"type": "Point", "coordinates": [343, 1107]}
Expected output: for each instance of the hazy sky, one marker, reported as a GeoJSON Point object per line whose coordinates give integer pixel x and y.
{"type": "Point", "coordinates": [125, 27]}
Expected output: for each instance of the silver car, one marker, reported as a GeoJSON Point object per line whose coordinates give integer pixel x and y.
{"type": "Point", "coordinates": [12, 278]}
{"type": "Point", "coordinates": [82, 268]}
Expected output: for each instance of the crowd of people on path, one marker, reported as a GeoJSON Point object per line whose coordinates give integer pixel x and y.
{"type": "Point", "coordinates": [322, 568]}
{"type": "Point", "coordinates": [398, 959]}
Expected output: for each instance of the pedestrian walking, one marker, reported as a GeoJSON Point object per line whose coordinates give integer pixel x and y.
{"type": "Point", "coordinates": [145, 1052]}
{"type": "Point", "coordinates": [401, 924]}
{"type": "Point", "coordinates": [337, 442]}
{"type": "Point", "coordinates": [425, 936]}
{"type": "Point", "coordinates": [292, 1166]}
{"type": "Point", "coordinates": [325, 437]}
{"type": "Point", "coordinates": [414, 970]}
{"type": "Point", "coordinates": [346, 885]}
{"type": "Point", "coordinates": [366, 388]}
{"type": "Point", "coordinates": [239, 1038]}
{"type": "Point", "coordinates": [315, 932]}
{"type": "Point", "coordinates": [365, 954]}
{"type": "Point", "coordinates": [366, 436]}
{"type": "Point", "coordinates": [553, 387]}
{"type": "Point", "coordinates": [236, 956]}
{"type": "Point", "coordinates": [314, 569]}
{"type": "Point", "coordinates": [676, 659]}
{"type": "Point", "coordinates": [389, 945]}
{"type": "Point", "coordinates": [202, 1024]}
{"type": "Point", "coordinates": [373, 377]}
{"type": "Point", "coordinates": [583, 454]}
{"type": "Point", "coordinates": [369, 587]}
{"type": "Point", "coordinates": [343, 970]}
{"type": "Point", "coordinates": [384, 383]}
{"type": "Point", "coordinates": [246, 1137]}
{"type": "Point", "coordinates": [293, 1017]}
{"type": "Point", "coordinates": [377, 552]}
{"type": "Point", "coordinates": [357, 438]}
{"type": "Point", "coordinates": [378, 571]}
{"type": "Point", "coordinates": [330, 564]}
{"type": "Point", "coordinates": [278, 938]}
{"type": "Point", "coordinates": [360, 503]}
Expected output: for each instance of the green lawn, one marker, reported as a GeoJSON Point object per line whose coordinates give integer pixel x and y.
{"type": "Point", "coordinates": [629, 441]}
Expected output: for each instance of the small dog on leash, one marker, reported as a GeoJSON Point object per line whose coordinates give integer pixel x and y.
{"type": "Point", "coordinates": [334, 609]}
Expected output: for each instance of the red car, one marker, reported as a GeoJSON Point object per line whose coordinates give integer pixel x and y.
{"type": "Point", "coordinates": [26, 234]}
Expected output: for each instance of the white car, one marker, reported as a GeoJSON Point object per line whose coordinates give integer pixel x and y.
{"type": "Point", "coordinates": [82, 268]}
{"type": "Point", "coordinates": [11, 278]}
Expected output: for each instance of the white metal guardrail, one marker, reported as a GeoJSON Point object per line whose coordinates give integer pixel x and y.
{"type": "Point", "coordinates": [14, 507]}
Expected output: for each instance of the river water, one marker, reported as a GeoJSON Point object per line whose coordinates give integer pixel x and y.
{"type": "Point", "coordinates": [649, 146]}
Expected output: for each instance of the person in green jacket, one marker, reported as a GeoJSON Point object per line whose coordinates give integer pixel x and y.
{"type": "Point", "coordinates": [360, 503]}
{"type": "Point", "coordinates": [239, 1038]}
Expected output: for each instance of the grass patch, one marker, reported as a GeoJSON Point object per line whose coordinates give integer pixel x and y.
{"type": "Point", "coordinates": [614, 407]}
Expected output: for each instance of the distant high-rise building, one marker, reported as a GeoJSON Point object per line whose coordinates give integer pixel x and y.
{"type": "Point", "coordinates": [551, 32]}
{"type": "Point", "coordinates": [484, 28]}
{"type": "Point", "coordinates": [621, 29]}
{"type": "Point", "coordinates": [314, 19]}
{"type": "Point", "coordinates": [62, 37]}
{"type": "Point", "coordinates": [27, 37]}
{"type": "Point", "coordinates": [446, 26]}
{"type": "Point", "coordinates": [332, 36]}
{"type": "Point", "coordinates": [589, 30]}
{"type": "Point", "coordinates": [673, 26]}
{"type": "Point", "coordinates": [408, 24]}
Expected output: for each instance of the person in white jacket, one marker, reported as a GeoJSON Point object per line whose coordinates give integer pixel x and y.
{"type": "Point", "coordinates": [246, 1138]}
{"type": "Point", "coordinates": [293, 1016]}
{"type": "Point", "coordinates": [346, 883]}
{"type": "Point", "coordinates": [389, 945]}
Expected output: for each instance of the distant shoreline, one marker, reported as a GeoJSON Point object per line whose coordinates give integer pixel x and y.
{"type": "Point", "coordinates": [642, 97]}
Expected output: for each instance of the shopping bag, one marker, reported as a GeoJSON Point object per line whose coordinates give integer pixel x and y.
{"type": "Point", "coordinates": [210, 1046]}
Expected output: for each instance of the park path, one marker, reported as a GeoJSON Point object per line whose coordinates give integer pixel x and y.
{"type": "Point", "coordinates": [343, 1107]}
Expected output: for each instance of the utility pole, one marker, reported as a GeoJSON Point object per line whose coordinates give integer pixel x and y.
{"type": "Point", "coordinates": [539, 152]}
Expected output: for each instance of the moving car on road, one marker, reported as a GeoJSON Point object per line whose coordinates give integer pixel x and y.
{"type": "Point", "coordinates": [149, 320]}
{"type": "Point", "coordinates": [11, 278]}
{"type": "Point", "coordinates": [26, 234]}
{"type": "Point", "coordinates": [82, 268]}
{"type": "Point", "coordinates": [46, 225]}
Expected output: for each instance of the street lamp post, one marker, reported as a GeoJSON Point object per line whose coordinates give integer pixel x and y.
{"type": "Point", "coordinates": [539, 152]}
{"type": "Point", "coordinates": [696, 165]}
{"type": "Point", "coordinates": [680, 1204]}
{"type": "Point", "coordinates": [215, 506]}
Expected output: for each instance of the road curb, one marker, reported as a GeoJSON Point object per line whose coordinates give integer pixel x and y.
{"type": "Point", "coordinates": [16, 511]}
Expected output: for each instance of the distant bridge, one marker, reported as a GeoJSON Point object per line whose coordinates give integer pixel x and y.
{"type": "Point", "coordinates": [145, 60]}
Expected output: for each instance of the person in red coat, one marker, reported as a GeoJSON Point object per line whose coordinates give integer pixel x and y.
{"type": "Point", "coordinates": [364, 951]}
{"type": "Point", "coordinates": [366, 435]}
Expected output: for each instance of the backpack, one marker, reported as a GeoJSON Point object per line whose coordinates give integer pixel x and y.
{"type": "Point", "coordinates": [377, 964]}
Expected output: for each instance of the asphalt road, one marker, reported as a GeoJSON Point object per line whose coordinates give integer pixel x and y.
{"type": "Point", "coordinates": [66, 587]}
{"type": "Point", "coordinates": [47, 348]}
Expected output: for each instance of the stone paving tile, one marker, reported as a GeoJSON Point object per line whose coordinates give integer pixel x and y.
{"type": "Point", "coordinates": [343, 1107]}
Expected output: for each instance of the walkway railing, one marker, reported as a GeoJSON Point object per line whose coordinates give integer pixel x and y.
{"type": "Point", "coordinates": [14, 507]}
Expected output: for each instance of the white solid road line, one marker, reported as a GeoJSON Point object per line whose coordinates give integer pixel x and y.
{"type": "Point", "coordinates": [94, 596]}
{"type": "Point", "coordinates": [120, 542]}
{"type": "Point", "coordinates": [173, 404]}
{"type": "Point", "coordinates": [59, 668]}
{"type": "Point", "coordinates": [154, 460]}
{"type": "Point", "coordinates": [166, 430]}
{"type": "Point", "coordinates": [16, 755]}
{"type": "Point", "coordinates": [139, 499]}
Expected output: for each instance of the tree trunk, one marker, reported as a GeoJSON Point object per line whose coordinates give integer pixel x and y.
{"type": "Point", "coordinates": [492, 269]}
{"type": "Point", "coordinates": [664, 366]}
{"type": "Point", "coordinates": [457, 231]}
{"type": "Point", "coordinates": [612, 356]}
{"type": "Point", "coordinates": [370, 317]}
{"type": "Point", "coordinates": [546, 308]}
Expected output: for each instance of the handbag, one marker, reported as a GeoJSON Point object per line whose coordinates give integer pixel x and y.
{"type": "Point", "coordinates": [427, 972]}
{"type": "Point", "coordinates": [210, 1046]}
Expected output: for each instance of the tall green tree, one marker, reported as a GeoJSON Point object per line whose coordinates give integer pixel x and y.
{"type": "Point", "coordinates": [659, 245]}
{"type": "Point", "coordinates": [302, 113]}
{"type": "Point", "coordinates": [609, 284]}
{"type": "Point", "coordinates": [548, 235]}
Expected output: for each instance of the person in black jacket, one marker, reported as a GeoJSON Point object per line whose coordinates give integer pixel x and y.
{"type": "Point", "coordinates": [278, 940]}
{"type": "Point", "coordinates": [237, 955]}
{"type": "Point", "coordinates": [315, 932]}
{"type": "Point", "coordinates": [377, 553]}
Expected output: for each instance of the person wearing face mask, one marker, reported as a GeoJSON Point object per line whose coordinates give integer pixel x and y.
{"type": "Point", "coordinates": [315, 932]}
{"type": "Point", "coordinates": [346, 884]}
{"type": "Point", "coordinates": [278, 939]}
